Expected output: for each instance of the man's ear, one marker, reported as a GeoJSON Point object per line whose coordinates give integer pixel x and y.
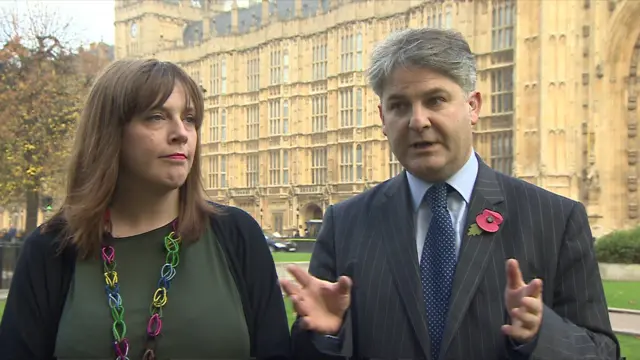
{"type": "Point", "coordinates": [475, 105]}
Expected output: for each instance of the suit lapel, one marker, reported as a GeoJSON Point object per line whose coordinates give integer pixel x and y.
{"type": "Point", "coordinates": [393, 224]}
{"type": "Point", "coordinates": [475, 251]}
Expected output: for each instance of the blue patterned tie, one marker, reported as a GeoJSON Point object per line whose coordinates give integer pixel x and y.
{"type": "Point", "coordinates": [438, 264]}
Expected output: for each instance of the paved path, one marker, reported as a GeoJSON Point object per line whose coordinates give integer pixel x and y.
{"type": "Point", "coordinates": [625, 321]}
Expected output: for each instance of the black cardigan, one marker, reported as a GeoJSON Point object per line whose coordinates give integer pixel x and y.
{"type": "Point", "coordinates": [41, 280]}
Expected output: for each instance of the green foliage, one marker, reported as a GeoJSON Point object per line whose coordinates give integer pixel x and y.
{"type": "Point", "coordinates": [619, 247]}
{"type": "Point", "coordinates": [40, 100]}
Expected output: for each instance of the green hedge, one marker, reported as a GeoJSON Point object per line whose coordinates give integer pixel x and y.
{"type": "Point", "coordinates": [619, 247]}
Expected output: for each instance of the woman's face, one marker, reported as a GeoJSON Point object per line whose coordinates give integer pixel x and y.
{"type": "Point", "coordinates": [159, 146]}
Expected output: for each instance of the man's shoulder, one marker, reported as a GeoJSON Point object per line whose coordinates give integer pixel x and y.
{"type": "Point", "coordinates": [365, 198]}
{"type": "Point", "coordinates": [513, 187]}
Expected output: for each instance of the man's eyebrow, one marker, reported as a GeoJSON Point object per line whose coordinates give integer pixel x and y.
{"type": "Point", "coordinates": [427, 93]}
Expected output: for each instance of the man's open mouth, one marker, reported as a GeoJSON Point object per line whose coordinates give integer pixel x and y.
{"type": "Point", "coordinates": [423, 144]}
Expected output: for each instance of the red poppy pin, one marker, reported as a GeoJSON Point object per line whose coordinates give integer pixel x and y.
{"type": "Point", "coordinates": [486, 221]}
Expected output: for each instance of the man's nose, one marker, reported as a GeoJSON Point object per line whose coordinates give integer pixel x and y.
{"type": "Point", "coordinates": [419, 118]}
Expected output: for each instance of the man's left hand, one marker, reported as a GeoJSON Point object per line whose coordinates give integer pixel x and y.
{"type": "Point", "coordinates": [524, 304]}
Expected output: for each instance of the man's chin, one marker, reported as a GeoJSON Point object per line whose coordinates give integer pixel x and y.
{"type": "Point", "coordinates": [431, 170]}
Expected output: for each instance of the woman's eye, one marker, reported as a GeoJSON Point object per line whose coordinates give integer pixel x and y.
{"type": "Point", "coordinates": [155, 117]}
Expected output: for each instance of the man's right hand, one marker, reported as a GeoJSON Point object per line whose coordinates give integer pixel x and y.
{"type": "Point", "coordinates": [320, 304]}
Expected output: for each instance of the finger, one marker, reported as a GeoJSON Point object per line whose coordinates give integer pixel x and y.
{"type": "Point", "coordinates": [301, 275]}
{"type": "Point", "coordinates": [514, 276]}
{"type": "Point", "coordinates": [300, 306]}
{"type": "Point", "coordinates": [340, 288]}
{"type": "Point", "coordinates": [531, 305]}
{"type": "Point", "coordinates": [517, 333]}
{"type": "Point", "coordinates": [525, 319]}
{"type": "Point", "coordinates": [289, 287]}
{"type": "Point", "coordinates": [534, 288]}
{"type": "Point", "coordinates": [344, 285]}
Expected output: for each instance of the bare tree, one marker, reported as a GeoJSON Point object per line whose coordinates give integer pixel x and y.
{"type": "Point", "coordinates": [31, 20]}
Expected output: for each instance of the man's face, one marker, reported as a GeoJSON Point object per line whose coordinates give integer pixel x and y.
{"type": "Point", "coordinates": [428, 120]}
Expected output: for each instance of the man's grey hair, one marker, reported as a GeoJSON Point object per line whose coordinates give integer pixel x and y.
{"type": "Point", "coordinates": [443, 51]}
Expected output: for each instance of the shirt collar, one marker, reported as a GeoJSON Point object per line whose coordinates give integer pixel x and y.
{"type": "Point", "coordinates": [463, 181]}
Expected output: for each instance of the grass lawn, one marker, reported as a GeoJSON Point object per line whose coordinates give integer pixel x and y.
{"type": "Point", "coordinates": [290, 257]}
{"type": "Point", "coordinates": [290, 314]}
{"type": "Point", "coordinates": [626, 295]}
{"type": "Point", "coordinates": [622, 294]}
{"type": "Point", "coordinates": [630, 346]}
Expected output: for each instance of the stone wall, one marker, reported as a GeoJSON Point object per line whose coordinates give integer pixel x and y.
{"type": "Point", "coordinates": [620, 272]}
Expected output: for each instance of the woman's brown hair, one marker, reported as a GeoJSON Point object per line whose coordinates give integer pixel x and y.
{"type": "Point", "coordinates": [124, 90]}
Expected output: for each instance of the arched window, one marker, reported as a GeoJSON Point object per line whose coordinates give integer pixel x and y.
{"type": "Point", "coordinates": [285, 67]}
{"type": "Point", "coordinates": [359, 166]}
{"type": "Point", "coordinates": [223, 125]}
{"type": "Point", "coordinates": [359, 107]}
{"type": "Point", "coordinates": [285, 117]}
{"type": "Point", "coordinates": [359, 46]}
{"type": "Point", "coordinates": [223, 76]}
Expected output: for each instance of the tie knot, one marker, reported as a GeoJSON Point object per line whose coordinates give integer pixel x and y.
{"type": "Point", "coordinates": [437, 196]}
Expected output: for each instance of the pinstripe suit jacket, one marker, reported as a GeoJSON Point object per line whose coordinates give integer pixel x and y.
{"type": "Point", "coordinates": [371, 238]}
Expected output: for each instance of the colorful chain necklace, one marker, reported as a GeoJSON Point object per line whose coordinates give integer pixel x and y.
{"type": "Point", "coordinates": [167, 273]}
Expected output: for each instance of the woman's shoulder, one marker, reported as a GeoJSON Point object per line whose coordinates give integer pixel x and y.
{"type": "Point", "coordinates": [231, 215]}
{"type": "Point", "coordinates": [236, 228]}
{"type": "Point", "coordinates": [45, 243]}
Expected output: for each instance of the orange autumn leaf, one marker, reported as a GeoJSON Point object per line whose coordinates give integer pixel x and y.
{"type": "Point", "coordinates": [42, 86]}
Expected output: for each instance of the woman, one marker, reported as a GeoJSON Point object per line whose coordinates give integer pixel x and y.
{"type": "Point", "coordinates": [134, 232]}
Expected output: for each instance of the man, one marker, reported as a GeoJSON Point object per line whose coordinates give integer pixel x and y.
{"type": "Point", "coordinates": [450, 259]}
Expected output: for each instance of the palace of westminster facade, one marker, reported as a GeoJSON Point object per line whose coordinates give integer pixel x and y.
{"type": "Point", "coordinates": [292, 127]}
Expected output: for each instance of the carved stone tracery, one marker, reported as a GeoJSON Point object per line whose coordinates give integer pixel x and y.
{"type": "Point", "coordinates": [591, 179]}
{"type": "Point", "coordinates": [633, 90]}
{"type": "Point", "coordinates": [326, 196]}
{"type": "Point", "coordinates": [291, 193]}
{"type": "Point", "coordinates": [227, 196]}
{"type": "Point", "coordinates": [256, 196]}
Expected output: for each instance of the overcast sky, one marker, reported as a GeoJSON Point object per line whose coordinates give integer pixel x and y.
{"type": "Point", "coordinates": [91, 20]}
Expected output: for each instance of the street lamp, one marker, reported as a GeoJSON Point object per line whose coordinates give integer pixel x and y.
{"type": "Point", "coordinates": [260, 217]}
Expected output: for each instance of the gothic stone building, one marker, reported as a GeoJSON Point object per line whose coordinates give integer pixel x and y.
{"type": "Point", "coordinates": [292, 127]}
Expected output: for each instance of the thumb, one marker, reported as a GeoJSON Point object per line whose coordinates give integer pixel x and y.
{"type": "Point", "coordinates": [344, 285]}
